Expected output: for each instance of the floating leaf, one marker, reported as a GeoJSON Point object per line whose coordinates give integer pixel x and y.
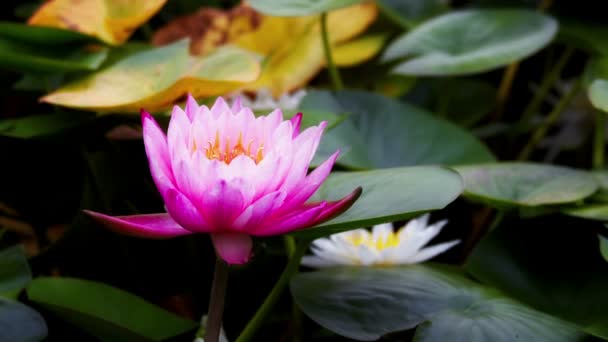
{"type": "Point", "coordinates": [298, 58]}
{"type": "Point", "coordinates": [365, 303]}
{"type": "Point", "coordinates": [471, 41]}
{"type": "Point", "coordinates": [388, 195]}
{"type": "Point", "coordinates": [550, 267]}
{"type": "Point", "coordinates": [383, 132]}
{"type": "Point", "coordinates": [106, 312]}
{"type": "Point", "coordinates": [292, 47]}
{"type": "Point", "coordinates": [409, 13]}
{"type": "Point", "coordinates": [298, 8]}
{"type": "Point", "coordinates": [40, 35]}
{"type": "Point", "coordinates": [14, 271]}
{"type": "Point", "coordinates": [35, 126]}
{"type": "Point", "coordinates": [111, 21]}
{"type": "Point", "coordinates": [156, 78]}
{"type": "Point", "coordinates": [603, 246]}
{"type": "Point", "coordinates": [359, 50]}
{"type": "Point", "coordinates": [598, 94]}
{"type": "Point", "coordinates": [19, 323]}
{"type": "Point", "coordinates": [17, 56]}
{"type": "Point", "coordinates": [525, 184]}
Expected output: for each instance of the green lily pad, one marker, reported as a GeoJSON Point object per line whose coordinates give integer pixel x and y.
{"type": "Point", "coordinates": [388, 195]}
{"type": "Point", "coordinates": [598, 94]}
{"type": "Point", "coordinates": [525, 184]}
{"type": "Point", "coordinates": [287, 8]}
{"type": "Point", "coordinates": [471, 41]}
{"type": "Point", "coordinates": [555, 268]}
{"type": "Point", "coordinates": [383, 132]}
{"type": "Point", "coordinates": [19, 323]}
{"type": "Point", "coordinates": [36, 126]}
{"type": "Point", "coordinates": [39, 35]}
{"type": "Point", "coordinates": [19, 56]}
{"type": "Point", "coordinates": [364, 303]}
{"type": "Point", "coordinates": [106, 312]}
{"type": "Point", "coordinates": [15, 272]}
{"type": "Point", "coordinates": [603, 246]}
{"type": "Point", "coordinates": [409, 13]}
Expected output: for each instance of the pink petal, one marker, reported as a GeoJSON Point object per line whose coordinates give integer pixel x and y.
{"type": "Point", "coordinates": [220, 107]}
{"type": "Point", "coordinates": [185, 213]}
{"type": "Point", "coordinates": [158, 154]}
{"type": "Point", "coordinates": [191, 107]}
{"type": "Point", "coordinates": [237, 105]}
{"type": "Point", "coordinates": [259, 210]}
{"type": "Point", "coordinates": [308, 186]}
{"type": "Point", "coordinates": [222, 203]}
{"type": "Point", "coordinates": [234, 248]}
{"type": "Point", "coordinates": [297, 220]}
{"type": "Point", "coordinates": [338, 207]}
{"type": "Point", "coordinates": [152, 226]}
{"type": "Point", "coordinates": [296, 121]}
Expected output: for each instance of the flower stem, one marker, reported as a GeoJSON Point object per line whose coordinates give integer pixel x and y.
{"type": "Point", "coordinates": [216, 301]}
{"type": "Point", "coordinates": [270, 301]}
{"type": "Point", "coordinates": [544, 88]}
{"type": "Point", "coordinates": [504, 90]}
{"type": "Point", "coordinates": [393, 16]}
{"type": "Point", "coordinates": [598, 140]}
{"type": "Point", "coordinates": [333, 71]}
{"type": "Point", "coordinates": [541, 131]}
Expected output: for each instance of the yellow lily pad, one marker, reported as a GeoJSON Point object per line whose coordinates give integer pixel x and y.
{"type": "Point", "coordinates": [155, 79]}
{"type": "Point", "coordinates": [291, 46]}
{"type": "Point", "coordinates": [111, 21]}
{"type": "Point", "coordinates": [359, 50]}
{"type": "Point", "coordinates": [298, 58]}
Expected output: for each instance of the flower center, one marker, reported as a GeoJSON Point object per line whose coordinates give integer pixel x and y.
{"type": "Point", "coordinates": [392, 240]}
{"type": "Point", "coordinates": [228, 152]}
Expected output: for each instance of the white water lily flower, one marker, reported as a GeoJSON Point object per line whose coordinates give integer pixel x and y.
{"type": "Point", "coordinates": [381, 246]}
{"type": "Point", "coordinates": [265, 100]}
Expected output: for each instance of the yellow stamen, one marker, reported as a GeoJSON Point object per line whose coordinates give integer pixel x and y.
{"type": "Point", "coordinates": [392, 240]}
{"type": "Point", "coordinates": [229, 153]}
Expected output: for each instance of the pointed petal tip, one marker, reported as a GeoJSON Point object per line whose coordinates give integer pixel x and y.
{"type": "Point", "coordinates": [151, 226]}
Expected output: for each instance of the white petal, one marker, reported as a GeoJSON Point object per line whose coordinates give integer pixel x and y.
{"type": "Point", "coordinates": [430, 252]}
{"type": "Point", "coordinates": [368, 256]}
{"type": "Point", "coordinates": [381, 232]}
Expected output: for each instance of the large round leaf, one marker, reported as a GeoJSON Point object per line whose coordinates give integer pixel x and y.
{"type": "Point", "coordinates": [471, 41]}
{"type": "Point", "coordinates": [19, 323]}
{"type": "Point", "coordinates": [365, 303]}
{"type": "Point", "coordinates": [155, 78]}
{"type": "Point", "coordinates": [14, 271]}
{"type": "Point", "coordinates": [286, 8]}
{"type": "Point", "coordinates": [383, 132]}
{"type": "Point", "coordinates": [598, 94]}
{"type": "Point", "coordinates": [554, 266]}
{"type": "Point", "coordinates": [388, 195]}
{"type": "Point", "coordinates": [525, 184]}
{"type": "Point", "coordinates": [106, 312]}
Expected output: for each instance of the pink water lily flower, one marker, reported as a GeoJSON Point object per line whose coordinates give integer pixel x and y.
{"type": "Point", "coordinates": [225, 172]}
